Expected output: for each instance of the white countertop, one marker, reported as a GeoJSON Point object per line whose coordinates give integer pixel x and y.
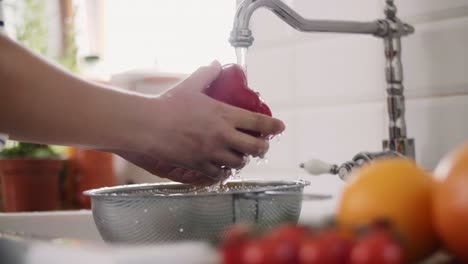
{"type": "Point", "coordinates": [79, 226]}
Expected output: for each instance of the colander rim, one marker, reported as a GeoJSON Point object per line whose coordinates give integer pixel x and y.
{"type": "Point", "coordinates": [112, 192]}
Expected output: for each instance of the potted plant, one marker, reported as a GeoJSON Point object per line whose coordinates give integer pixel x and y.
{"type": "Point", "coordinates": [30, 177]}
{"type": "Point", "coordinates": [30, 172]}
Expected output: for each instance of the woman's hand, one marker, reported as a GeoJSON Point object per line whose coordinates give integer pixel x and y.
{"type": "Point", "coordinates": [187, 129]}
{"type": "Point", "coordinates": [165, 170]}
{"type": "Point", "coordinates": [183, 128]}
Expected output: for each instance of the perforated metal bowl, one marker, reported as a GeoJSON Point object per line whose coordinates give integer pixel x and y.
{"type": "Point", "coordinates": [168, 212]}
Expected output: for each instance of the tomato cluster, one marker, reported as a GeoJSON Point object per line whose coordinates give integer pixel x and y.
{"type": "Point", "coordinates": [298, 244]}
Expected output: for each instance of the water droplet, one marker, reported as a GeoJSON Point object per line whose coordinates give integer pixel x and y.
{"type": "Point", "coordinates": [278, 138]}
{"type": "Point", "coordinates": [235, 174]}
{"type": "Point", "coordinates": [246, 160]}
{"type": "Point", "coordinates": [145, 211]}
{"type": "Point", "coordinates": [214, 188]}
{"type": "Point", "coordinates": [136, 221]}
{"type": "Point", "coordinates": [181, 230]}
{"type": "Point", "coordinates": [261, 161]}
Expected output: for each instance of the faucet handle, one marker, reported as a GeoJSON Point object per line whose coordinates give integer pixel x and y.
{"type": "Point", "coordinates": [318, 167]}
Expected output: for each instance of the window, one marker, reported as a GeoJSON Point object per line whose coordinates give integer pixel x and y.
{"type": "Point", "coordinates": [174, 35]}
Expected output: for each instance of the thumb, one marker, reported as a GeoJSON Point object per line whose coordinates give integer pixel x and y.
{"type": "Point", "coordinates": [203, 77]}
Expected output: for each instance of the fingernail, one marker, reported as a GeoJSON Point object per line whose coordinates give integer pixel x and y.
{"type": "Point", "coordinates": [283, 126]}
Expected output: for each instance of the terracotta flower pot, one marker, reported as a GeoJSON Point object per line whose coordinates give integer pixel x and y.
{"type": "Point", "coordinates": [93, 169]}
{"type": "Point", "coordinates": [30, 184]}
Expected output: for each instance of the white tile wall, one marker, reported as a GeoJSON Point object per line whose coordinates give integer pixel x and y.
{"type": "Point", "coordinates": [342, 9]}
{"type": "Point", "coordinates": [336, 133]}
{"type": "Point", "coordinates": [275, 85]}
{"type": "Point", "coordinates": [436, 58]}
{"type": "Point", "coordinates": [339, 70]}
{"type": "Point", "coordinates": [438, 124]}
{"type": "Point", "coordinates": [417, 10]}
{"type": "Point", "coordinates": [267, 29]}
{"type": "Point", "coordinates": [330, 88]}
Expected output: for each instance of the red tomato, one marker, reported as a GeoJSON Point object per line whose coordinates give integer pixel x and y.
{"type": "Point", "coordinates": [283, 244]}
{"type": "Point", "coordinates": [377, 247]}
{"type": "Point", "coordinates": [231, 87]}
{"type": "Point", "coordinates": [232, 254]}
{"type": "Point", "coordinates": [254, 252]}
{"type": "Point", "coordinates": [327, 247]}
{"type": "Point", "coordinates": [310, 252]}
{"type": "Point", "coordinates": [282, 251]}
{"type": "Point", "coordinates": [264, 109]}
{"type": "Point", "coordinates": [234, 242]}
{"type": "Point", "coordinates": [288, 231]}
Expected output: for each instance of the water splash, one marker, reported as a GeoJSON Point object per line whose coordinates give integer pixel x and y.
{"type": "Point", "coordinates": [278, 137]}
{"type": "Point", "coordinates": [246, 160]}
{"type": "Point", "coordinates": [261, 160]}
{"type": "Point", "coordinates": [235, 174]}
{"type": "Point", "coordinates": [215, 187]}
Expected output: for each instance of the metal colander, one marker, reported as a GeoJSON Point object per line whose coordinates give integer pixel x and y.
{"type": "Point", "coordinates": [169, 212]}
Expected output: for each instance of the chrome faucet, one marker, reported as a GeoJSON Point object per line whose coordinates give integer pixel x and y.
{"type": "Point", "coordinates": [391, 30]}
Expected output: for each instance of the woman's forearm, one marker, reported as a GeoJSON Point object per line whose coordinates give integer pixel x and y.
{"type": "Point", "coordinates": [40, 102]}
{"type": "Point", "coordinates": [182, 134]}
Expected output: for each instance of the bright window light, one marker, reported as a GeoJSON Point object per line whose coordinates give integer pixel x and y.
{"type": "Point", "coordinates": [174, 35]}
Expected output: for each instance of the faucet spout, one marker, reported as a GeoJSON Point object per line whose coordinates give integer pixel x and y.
{"type": "Point", "coordinates": [241, 35]}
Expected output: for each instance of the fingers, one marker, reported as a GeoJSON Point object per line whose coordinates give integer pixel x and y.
{"type": "Point", "coordinates": [254, 121]}
{"type": "Point", "coordinates": [211, 172]}
{"type": "Point", "coordinates": [203, 77]}
{"type": "Point", "coordinates": [183, 175]}
{"type": "Point", "coordinates": [214, 171]}
{"type": "Point", "coordinates": [230, 159]}
{"type": "Point", "coordinates": [247, 144]}
{"type": "Point", "coordinates": [192, 177]}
